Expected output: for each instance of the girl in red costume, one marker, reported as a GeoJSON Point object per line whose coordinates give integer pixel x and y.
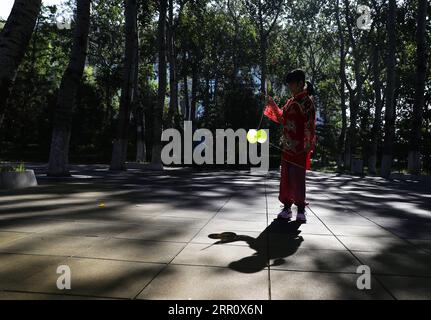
{"type": "Point", "coordinates": [298, 118]}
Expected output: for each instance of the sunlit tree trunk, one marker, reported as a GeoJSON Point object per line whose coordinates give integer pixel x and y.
{"type": "Point", "coordinates": [14, 40]}
{"type": "Point", "coordinates": [119, 151]}
{"type": "Point", "coordinates": [378, 105]}
{"type": "Point", "coordinates": [414, 162]}
{"type": "Point", "coordinates": [66, 100]}
{"type": "Point", "coordinates": [158, 112]}
{"type": "Point", "coordinates": [186, 90]}
{"type": "Point", "coordinates": [355, 95]}
{"type": "Point", "coordinates": [194, 93]}
{"type": "Point", "coordinates": [390, 110]}
{"type": "Point", "coordinates": [342, 70]}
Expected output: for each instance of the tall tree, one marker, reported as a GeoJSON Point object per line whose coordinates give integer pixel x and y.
{"type": "Point", "coordinates": [265, 14]}
{"type": "Point", "coordinates": [378, 93]}
{"type": "Point", "coordinates": [119, 150]}
{"type": "Point", "coordinates": [14, 40]}
{"type": "Point", "coordinates": [234, 10]}
{"type": "Point", "coordinates": [414, 162]}
{"type": "Point", "coordinates": [172, 52]}
{"type": "Point", "coordinates": [158, 112]}
{"type": "Point", "coordinates": [355, 94]}
{"type": "Point", "coordinates": [66, 99]}
{"type": "Point", "coordinates": [186, 112]}
{"type": "Point", "coordinates": [390, 104]}
{"type": "Point", "coordinates": [342, 73]}
{"type": "Point", "coordinates": [378, 105]}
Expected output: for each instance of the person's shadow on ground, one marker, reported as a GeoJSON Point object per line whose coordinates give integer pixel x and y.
{"type": "Point", "coordinates": [279, 240]}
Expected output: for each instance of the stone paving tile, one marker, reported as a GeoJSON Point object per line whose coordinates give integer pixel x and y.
{"type": "Point", "coordinates": [314, 260]}
{"type": "Point", "coordinates": [188, 214]}
{"type": "Point", "coordinates": [408, 288]}
{"type": "Point", "coordinates": [127, 217]}
{"type": "Point", "coordinates": [7, 237]}
{"type": "Point", "coordinates": [388, 222]}
{"type": "Point", "coordinates": [314, 228]}
{"type": "Point", "coordinates": [226, 225]}
{"type": "Point", "coordinates": [159, 233]}
{"type": "Point", "coordinates": [252, 205]}
{"type": "Point", "coordinates": [203, 236]}
{"type": "Point", "coordinates": [422, 244]}
{"type": "Point", "coordinates": [159, 221]}
{"type": "Point", "coordinates": [134, 250]}
{"type": "Point", "coordinates": [351, 230]}
{"type": "Point", "coordinates": [207, 283]}
{"type": "Point", "coordinates": [353, 220]}
{"type": "Point", "coordinates": [311, 241]}
{"type": "Point", "coordinates": [419, 231]}
{"type": "Point", "coordinates": [24, 225]}
{"type": "Point", "coordinates": [330, 209]}
{"type": "Point", "coordinates": [95, 277]}
{"type": "Point", "coordinates": [67, 212]}
{"type": "Point", "coordinates": [86, 229]}
{"type": "Point", "coordinates": [50, 245]}
{"type": "Point", "coordinates": [221, 256]}
{"type": "Point", "coordinates": [241, 216]}
{"type": "Point", "coordinates": [377, 244]}
{"type": "Point", "coordinates": [149, 207]}
{"type": "Point", "coordinates": [15, 268]}
{"type": "Point", "coordinates": [388, 263]}
{"type": "Point", "coordinates": [286, 285]}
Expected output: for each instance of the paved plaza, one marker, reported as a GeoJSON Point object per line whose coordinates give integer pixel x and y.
{"type": "Point", "coordinates": [195, 234]}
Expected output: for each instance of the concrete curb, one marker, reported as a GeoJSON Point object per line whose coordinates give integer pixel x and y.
{"type": "Point", "coordinates": [17, 180]}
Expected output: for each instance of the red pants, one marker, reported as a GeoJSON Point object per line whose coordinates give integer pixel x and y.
{"type": "Point", "coordinates": [292, 184]}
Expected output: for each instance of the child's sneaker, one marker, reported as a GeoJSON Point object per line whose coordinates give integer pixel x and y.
{"type": "Point", "coordinates": [285, 214]}
{"type": "Point", "coordinates": [300, 217]}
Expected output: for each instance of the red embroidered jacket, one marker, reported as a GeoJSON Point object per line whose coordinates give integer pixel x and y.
{"type": "Point", "coordinates": [298, 118]}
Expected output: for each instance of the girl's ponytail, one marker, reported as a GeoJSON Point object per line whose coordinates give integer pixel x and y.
{"type": "Point", "coordinates": [310, 88]}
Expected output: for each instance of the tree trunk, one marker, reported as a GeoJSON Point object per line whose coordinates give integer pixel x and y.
{"type": "Point", "coordinates": [355, 97]}
{"type": "Point", "coordinates": [207, 95]}
{"type": "Point", "coordinates": [377, 123]}
{"type": "Point", "coordinates": [140, 132]}
{"type": "Point", "coordinates": [390, 88]}
{"type": "Point", "coordinates": [173, 83]}
{"type": "Point", "coordinates": [119, 150]}
{"type": "Point", "coordinates": [59, 152]}
{"type": "Point", "coordinates": [139, 114]}
{"type": "Point", "coordinates": [350, 145]}
{"type": "Point", "coordinates": [194, 93]}
{"type": "Point", "coordinates": [186, 89]}
{"type": "Point", "coordinates": [216, 83]}
{"type": "Point", "coordinates": [14, 40]}
{"type": "Point", "coordinates": [158, 112]}
{"type": "Point", "coordinates": [342, 70]}
{"type": "Point", "coordinates": [414, 161]}
{"type": "Point", "coordinates": [263, 52]}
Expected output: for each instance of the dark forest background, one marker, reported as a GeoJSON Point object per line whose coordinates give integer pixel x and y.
{"type": "Point", "coordinates": [373, 90]}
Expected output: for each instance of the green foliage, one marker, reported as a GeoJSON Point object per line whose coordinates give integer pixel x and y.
{"type": "Point", "coordinates": [219, 42]}
{"type": "Point", "coordinates": [4, 167]}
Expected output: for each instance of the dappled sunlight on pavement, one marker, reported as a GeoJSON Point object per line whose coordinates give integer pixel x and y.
{"type": "Point", "coordinates": [194, 234]}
